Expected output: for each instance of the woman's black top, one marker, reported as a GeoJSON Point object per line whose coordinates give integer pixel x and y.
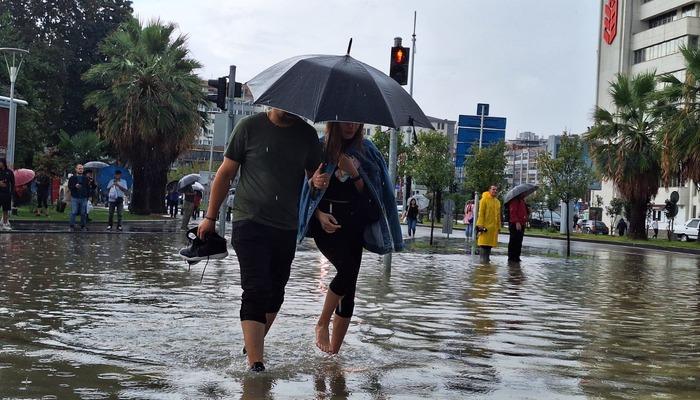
{"type": "Point", "coordinates": [412, 212]}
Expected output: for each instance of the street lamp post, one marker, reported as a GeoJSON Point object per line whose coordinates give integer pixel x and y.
{"type": "Point", "coordinates": [13, 60]}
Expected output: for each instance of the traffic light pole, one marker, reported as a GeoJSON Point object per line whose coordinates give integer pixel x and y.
{"type": "Point", "coordinates": [230, 90]}
{"type": "Point", "coordinates": [393, 155]}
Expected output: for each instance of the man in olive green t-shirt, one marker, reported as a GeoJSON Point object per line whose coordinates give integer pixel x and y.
{"type": "Point", "coordinates": [275, 152]}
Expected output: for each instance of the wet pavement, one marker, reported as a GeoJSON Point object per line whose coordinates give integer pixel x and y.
{"type": "Point", "coordinates": [120, 316]}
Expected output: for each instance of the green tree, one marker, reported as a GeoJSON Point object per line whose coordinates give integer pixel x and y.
{"type": "Point", "coordinates": [567, 175]}
{"type": "Point", "coordinates": [62, 37]}
{"type": "Point", "coordinates": [537, 202]}
{"type": "Point", "coordinates": [680, 113]}
{"type": "Point", "coordinates": [615, 208]}
{"type": "Point", "coordinates": [432, 166]}
{"type": "Point", "coordinates": [148, 107]}
{"type": "Point", "coordinates": [485, 167]}
{"type": "Point", "coordinates": [80, 148]}
{"type": "Point", "coordinates": [381, 140]}
{"type": "Point", "coordinates": [625, 146]}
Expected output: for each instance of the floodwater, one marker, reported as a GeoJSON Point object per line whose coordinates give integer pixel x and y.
{"type": "Point", "coordinates": [120, 316]}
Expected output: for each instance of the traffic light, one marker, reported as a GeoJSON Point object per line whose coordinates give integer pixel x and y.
{"type": "Point", "coordinates": [398, 68]}
{"type": "Point", "coordinates": [220, 96]}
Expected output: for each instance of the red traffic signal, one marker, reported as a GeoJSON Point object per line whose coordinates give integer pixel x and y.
{"type": "Point", "coordinates": [398, 68]}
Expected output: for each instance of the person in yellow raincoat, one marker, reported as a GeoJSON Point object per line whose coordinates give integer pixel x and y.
{"type": "Point", "coordinates": [489, 218]}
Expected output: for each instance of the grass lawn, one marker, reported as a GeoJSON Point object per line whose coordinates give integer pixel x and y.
{"type": "Point", "coordinates": [661, 242]}
{"type": "Point", "coordinates": [24, 213]}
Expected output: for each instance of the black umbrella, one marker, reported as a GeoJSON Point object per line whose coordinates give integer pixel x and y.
{"type": "Point", "coordinates": [336, 88]}
{"type": "Point", "coordinates": [523, 188]}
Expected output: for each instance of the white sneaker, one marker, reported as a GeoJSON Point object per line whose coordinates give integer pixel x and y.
{"type": "Point", "coordinates": [7, 226]}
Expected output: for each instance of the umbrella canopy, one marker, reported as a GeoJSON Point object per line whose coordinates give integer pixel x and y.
{"type": "Point", "coordinates": [523, 188]}
{"type": "Point", "coordinates": [198, 187]}
{"type": "Point", "coordinates": [421, 201]}
{"type": "Point", "coordinates": [188, 180]}
{"type": "Point", "coordinates": [23, 176]}
{"type": "Point", "coordinates": [336, 88]}
{"type": "Point", "coordinates": [95, 164]}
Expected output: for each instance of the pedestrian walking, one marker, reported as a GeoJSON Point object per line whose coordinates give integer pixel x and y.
{"type": "Point", "coordinates": [273, 150]}
{"type": "Point", "coordinates": [338, 216]}
{"type": "Point", "coordinates": [517, 219]}
{"type": "Point", "coordinates": [468, 219]}
{"type": "Point", "coordinates": [79, 187]}
{"type": "Point", "coordinates": [488, 223]}
{"type": "Point", "coordinates": [621, 227]}
{"type": "Point", "coordinates": [43, 182]}
{"type": "Point", "coordinates": [197, 202]}
{"type": "Point", "coordinates": [411, 215]}
{"type": "Point", "coordinates": [655, 227]}
{"type": "Point", "coordinates": [173, 199]}
{"type": "Point", "coordinates": [187, 206]}
{"type": "Point", "coordinates": [7, 187]}
{"type": "Point", "coordinates": [116, 191]}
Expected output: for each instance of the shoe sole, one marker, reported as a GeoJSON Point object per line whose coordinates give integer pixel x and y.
{"type": "Point", "coordinates": [211, 257]}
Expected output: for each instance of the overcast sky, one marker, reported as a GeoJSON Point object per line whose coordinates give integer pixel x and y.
{"type": "Point", "coordinates": [534, 61]}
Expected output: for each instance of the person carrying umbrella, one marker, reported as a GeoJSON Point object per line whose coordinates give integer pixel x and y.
{"type": "Point", "coordinates": [337, 217]}
{"type": "Point", "coordinates": [275, 151]}
{"type": "Point", "coordinates": [7, 187]}
{"type": "Point", "coordinates": [411, 215]}
{"type": "Point", "coordinates": [188, 196]}
{"type": "Point", "coordinates": [488, 222]}
{"type": "Point", "coordinates": [517, 219]}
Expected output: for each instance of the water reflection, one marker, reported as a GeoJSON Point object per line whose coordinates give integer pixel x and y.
{"type": "Point", "coordinates": [110, 316]}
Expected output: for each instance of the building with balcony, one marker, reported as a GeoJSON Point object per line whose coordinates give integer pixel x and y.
{"type": "Point", "coordinates": [645, 36]}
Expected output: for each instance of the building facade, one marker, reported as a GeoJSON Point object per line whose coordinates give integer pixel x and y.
{"type": "Point", "coordinates": [521, 154]}
{"type": "Point", "coordinates": [645, 36]}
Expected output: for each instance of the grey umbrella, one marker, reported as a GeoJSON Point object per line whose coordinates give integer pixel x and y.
{"type": "Point", "coordinates": [526, 188]}
{"type": "Point", "coordinates": [336, 88]}
{"type": "Point", "coordinates": [95, 164]}
{"type": "Point", "coordinates": [187, 180]}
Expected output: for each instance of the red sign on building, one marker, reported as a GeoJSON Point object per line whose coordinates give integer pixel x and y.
{"type": "Point", "coordinates": [610, 21]}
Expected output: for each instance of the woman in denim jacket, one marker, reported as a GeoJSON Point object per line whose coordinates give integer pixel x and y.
{"type": "Point", "coordinates": [354, 209]}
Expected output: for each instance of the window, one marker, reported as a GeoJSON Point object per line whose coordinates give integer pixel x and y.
{"type": "Point", "coordinates": [689, 11]}
{"type": "Point", "coordinates": [662, 19]}
{"type": "Point", "coordinates": [693, 223]}
{"type": "Point", "coordinates": [664, 49]}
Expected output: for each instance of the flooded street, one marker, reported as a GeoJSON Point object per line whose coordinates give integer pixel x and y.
{"type": "Point", "coordinates": [120, 316]}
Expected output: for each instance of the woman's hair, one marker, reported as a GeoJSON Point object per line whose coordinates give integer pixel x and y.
{"type": "Point", "coordinates": [3, 162]}
{"type": "Point", "coordinates": [412, 202]}
{"type": "Point", "coordinates": [334, 141]}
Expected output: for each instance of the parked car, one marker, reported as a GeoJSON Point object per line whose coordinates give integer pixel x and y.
{"type": "Point", "coordinates": [538, 223]}
{"type": "Point", "coordinates": [596, 228]}
{"type": "Point", "coordinates": [550, 218]}
{"type": "Point", "coordinates": [689, 230]}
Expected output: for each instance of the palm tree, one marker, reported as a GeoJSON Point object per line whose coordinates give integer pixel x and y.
{"type": "Point", "coordinates": [681, 128]}
{"type": "Point", "coordinates": [625, 146]}
{"type": "Point", "coordinates": [148, 107]}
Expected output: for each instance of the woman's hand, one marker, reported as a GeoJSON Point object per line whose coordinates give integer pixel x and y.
{"type": "Point", "coordinates": [349, 164]}
{"type": "Point", "coordinates": [328, 222]}
{"type": "Point", "coordinates": [320, 180]}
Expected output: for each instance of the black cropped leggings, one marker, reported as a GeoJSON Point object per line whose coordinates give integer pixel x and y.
{"type": "Point", "coordinates": [344, 250]}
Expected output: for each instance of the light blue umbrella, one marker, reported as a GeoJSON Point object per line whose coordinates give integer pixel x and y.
{"type": "Point", "coordinates": [188, 180]}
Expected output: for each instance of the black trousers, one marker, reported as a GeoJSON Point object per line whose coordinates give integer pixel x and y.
{"type": "Point", "coordinates": [515, 243]}
{"type": "Point", "coordinates": [343, 249]}
{"type": "Point", "coordinates": [42, 199]}
{"type": "Point", "coordinates": [265, 256]}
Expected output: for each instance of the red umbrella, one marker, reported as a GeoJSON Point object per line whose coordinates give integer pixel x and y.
{"type": "Point", "coordinates": [23, 176]}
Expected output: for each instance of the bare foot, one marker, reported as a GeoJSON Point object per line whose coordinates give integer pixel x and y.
{"type": "Point", "coordinates": [323, 341]}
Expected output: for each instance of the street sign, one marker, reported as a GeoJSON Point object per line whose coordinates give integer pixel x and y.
{"type": "Point", "coordinates": [470, 129]}
{"type": "Point", "coordinates": [448, 208]}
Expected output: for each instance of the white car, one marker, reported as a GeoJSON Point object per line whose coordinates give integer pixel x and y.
{"type": "Point", "coordinates": [689, 230]}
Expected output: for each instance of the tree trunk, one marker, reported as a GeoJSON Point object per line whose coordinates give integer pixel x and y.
{"type": "Point", "coordinates": [568, 231]}
{"type": "Point", "coordinates": [432, 220]}
{"type": "Point", "coordinates": [438, 204]}
{"type": "Point", "coordinates": [637, 219]}
{"type": "Point", "coordinates": [150, 179]}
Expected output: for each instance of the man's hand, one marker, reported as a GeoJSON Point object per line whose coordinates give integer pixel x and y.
{"type": "Point", "coordinates": [206, 226]}
{"type": "Point", "coordinates": [518, 226]}
{"type": "Point", "coordinates": [320, 180]}
{"type": "Point", "coordinates": [328, 222]}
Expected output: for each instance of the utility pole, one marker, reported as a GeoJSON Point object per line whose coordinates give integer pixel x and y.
{"type": "Point", "coordinates": [230, 93]}
{"type": "Point", "coordinates": [476, 194]}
